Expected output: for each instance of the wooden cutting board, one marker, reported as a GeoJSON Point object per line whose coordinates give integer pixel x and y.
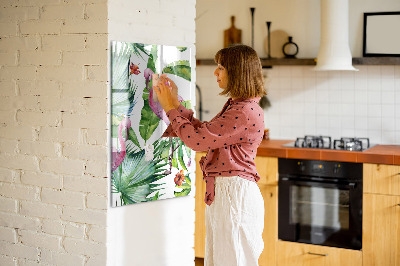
{"type": "Point", "coordinates": [232, 35]}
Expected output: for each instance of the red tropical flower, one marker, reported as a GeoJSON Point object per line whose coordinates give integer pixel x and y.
{"type": "Point", "coordinates": [134, 69]}
{"type": "Point", "coordinates": [179, 178]}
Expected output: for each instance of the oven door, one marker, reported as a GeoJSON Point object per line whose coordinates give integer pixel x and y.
{"type": "Point", "coordinates": [320, 212]}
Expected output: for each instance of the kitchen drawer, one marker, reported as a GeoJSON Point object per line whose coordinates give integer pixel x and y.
{"type": "Point", "coordinates": [298, 254]}
{"type": "Point", "coordinates": [381, 179]}
{"type": "Point", "coordinates": [267, 168]}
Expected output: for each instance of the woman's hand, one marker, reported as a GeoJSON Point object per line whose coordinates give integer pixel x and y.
{"type": "Point", "coordinates": [164, 93]}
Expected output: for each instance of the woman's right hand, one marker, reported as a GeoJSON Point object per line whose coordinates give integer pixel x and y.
{"type": "Point", "coordinates": [174, 89]}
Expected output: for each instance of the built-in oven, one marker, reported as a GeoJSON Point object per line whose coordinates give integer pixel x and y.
{"type": "Point", "coordinates": [320, 202]}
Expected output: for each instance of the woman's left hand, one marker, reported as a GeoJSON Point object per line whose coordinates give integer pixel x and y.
{"type": "Point", "coordinates": [163, 91]}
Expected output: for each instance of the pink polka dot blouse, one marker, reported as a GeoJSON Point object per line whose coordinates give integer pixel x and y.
{"type": "Point", "coordinates": [231, 139]}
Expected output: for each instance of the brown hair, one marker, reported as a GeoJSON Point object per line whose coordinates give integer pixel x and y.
{"type": "Point", "coordinates": [245, 78]}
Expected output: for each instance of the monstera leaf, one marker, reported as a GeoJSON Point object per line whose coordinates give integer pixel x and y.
{"type": "Point", "coordinates": [133, 178]}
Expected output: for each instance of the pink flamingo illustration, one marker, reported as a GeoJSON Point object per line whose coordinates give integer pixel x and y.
{"type": "Point", "coordinates": [118, 157]}
{"type": "Point", "coordinates": [153, 101]}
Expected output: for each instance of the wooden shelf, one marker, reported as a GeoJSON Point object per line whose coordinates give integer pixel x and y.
{"type": "Point", "coordinates": [312, 61]}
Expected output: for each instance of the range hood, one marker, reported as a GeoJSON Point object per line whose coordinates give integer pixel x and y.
{"type": "Point", "coordinates": [334, 51]}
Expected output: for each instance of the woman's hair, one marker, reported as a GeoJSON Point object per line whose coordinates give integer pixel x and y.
{"type": "Point", "coordinates": [245, 78]}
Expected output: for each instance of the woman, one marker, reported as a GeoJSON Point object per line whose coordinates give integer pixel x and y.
{"type": "Point", "coordinates": [235, 207]}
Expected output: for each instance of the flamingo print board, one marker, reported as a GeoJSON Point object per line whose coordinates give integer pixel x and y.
{"type": "Point", "coordinates": [144, 165]}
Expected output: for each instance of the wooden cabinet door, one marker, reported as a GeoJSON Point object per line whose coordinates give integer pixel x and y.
{"type": "Point", "coordinates": [381, 179]}
{"type": "Point", "coordinates": [267, 168]}
{"type": "Point", "coordinates": [381, 230]}
{"type": "Point", "coordinates": [270, 233]}
{"type": "Point", "coordinates": [298, 254]}
{"type": "Point", "coordinates": [200, 207]}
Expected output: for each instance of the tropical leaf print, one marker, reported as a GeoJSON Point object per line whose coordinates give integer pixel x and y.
{"type": "Point", "coordinates": [148, 170]}
{"type": "Point", "coordinates": [149, 120]}
{"type": "Point", "coordinates": [182, 71]}
{"type": "Point", "coordinates": [133, 177]}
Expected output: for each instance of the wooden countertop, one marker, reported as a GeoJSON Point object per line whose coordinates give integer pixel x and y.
{"type": "Point", "coordinates": [379, 154]}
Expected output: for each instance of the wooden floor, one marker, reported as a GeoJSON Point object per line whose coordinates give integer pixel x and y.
{"type": "Point", "coordinates": [199, 262]}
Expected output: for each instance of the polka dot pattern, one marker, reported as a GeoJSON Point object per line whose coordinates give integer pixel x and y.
{"type": "Point", "coordinates": [231, 138]}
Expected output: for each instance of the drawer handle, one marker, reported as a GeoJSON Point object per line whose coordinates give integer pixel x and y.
{"type": "Point", "coordinates": [318, 254]}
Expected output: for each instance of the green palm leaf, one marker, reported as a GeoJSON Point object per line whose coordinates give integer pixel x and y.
{"type": "Point", "coordinates": [134, 176]}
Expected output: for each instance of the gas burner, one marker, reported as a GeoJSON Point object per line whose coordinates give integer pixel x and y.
{"type": "Point", "coordinates": [321, 142]}
{"type": "Point", "coordinates": [351, 144]}
{"type": "Point", "coordinates": [324, 142]}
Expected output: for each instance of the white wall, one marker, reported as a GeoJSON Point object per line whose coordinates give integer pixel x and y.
{"type": "Point", "coordinates": [338, 104]}
{"type": "Point", "coordinates": [161, 232]}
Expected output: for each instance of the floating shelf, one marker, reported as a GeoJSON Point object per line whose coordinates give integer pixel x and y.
{"type": "Point", "coordinates": [265, 62]}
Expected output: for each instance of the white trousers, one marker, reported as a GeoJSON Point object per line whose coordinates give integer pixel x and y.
{"type": "Point", "coordinates": [234, 223]}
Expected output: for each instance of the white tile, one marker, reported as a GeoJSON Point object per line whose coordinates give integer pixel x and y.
{"type": "Point", "coordinates": [388, 124]}
{"type": "Point", "coordinates": [348, 96]}
{"type": "Point", "coordinates": [335, 122]}
{"type": "Point", "coordinates": [347, 109]}
{"type": "Point", "coordinates": [388, 110]}
{"type": "Point", "coordinates": [388, 137]}
{"type": "Point", "coordinates": [310, 95]}
{"type": "Point", "coordinates": [387, 72]}
{"type": "Point", "coordinates": [388, 97]}
{"type": "Point", "coordinates": [374, 110]}
{"type": "Point", "coordinates": [322, 96]}
{"type": "Point", "coordinates": [322, 109]}
{"type": "Point", "coordinates": [322, 83]}
{"type": "Point", "coordinates": [374, 97]}
{"type": "Point", "coordinates": [285, 71]}
{"type": "Point", "coordinates": [285, 83]}
{"type": "Point", "coordinates": [310, 108]}
{"type": "Point", "coordinates": [297, 83]}
{"type": "Point", "coordinates": [361, 97]}
{"type": "Point", "coordinates": [374, 83]}
{"type": "Point", "coordinates": [360, 133]}
{"type": "Point", "coordinates": [322, 121]}
{"type": "Point", "coordinates": [397, 134]}
{"type": "Point", "coordinates": [388, 84]}
{"type": "Point", "coordinates": [296, 71]}
{"type": "Point", "coordinates": [335, 95]}
{"type": "Point", "coordinates": [348, 123]}
{"type": "Point", "coordinates": [397, 72]}
{"type": "Point", "coordinates": [286, 120]}
{"type": "Point", "coordinates": [348, 132]}
{"type": "Point", "coordinates": [374, 123]}
{"type": "Point", "coordinates": [361, 110]}
{"type": "Point", "coordinates": [375, 136]}
{"type": "Point", "coordinates": [334, 109]}
{"type": "Point", "coordinates": [361, 123]}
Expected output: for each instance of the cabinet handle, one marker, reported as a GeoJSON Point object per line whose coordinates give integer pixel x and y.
{"type": "Point", "coordinates": [318, 254]}
{"type": "Point", "coordinates": [398, 204]}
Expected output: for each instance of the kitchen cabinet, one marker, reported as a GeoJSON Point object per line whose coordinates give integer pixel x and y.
{"type": "Point", "coordinates": [381, 230]}
{"type": "Point", "coordinates": [200, 207]}
{"type": "Point", "coordinates": [270, 233]}
{"type": "Point", "coordinates": [298, 254]}
{"type": "Point", "coordinates": [381, 215]}
{"type": "Point", "coordinates": [381, 179]}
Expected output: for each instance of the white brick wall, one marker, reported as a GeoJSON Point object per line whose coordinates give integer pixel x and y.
{"type": "Point", "coordinates": [53, 119]}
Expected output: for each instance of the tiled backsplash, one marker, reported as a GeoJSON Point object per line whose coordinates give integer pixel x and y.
{"type": "Point", "coordinates": [338, 104]}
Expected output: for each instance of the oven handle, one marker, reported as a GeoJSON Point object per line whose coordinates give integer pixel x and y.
{"type": "Point", "coordinates": [297, 181]}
